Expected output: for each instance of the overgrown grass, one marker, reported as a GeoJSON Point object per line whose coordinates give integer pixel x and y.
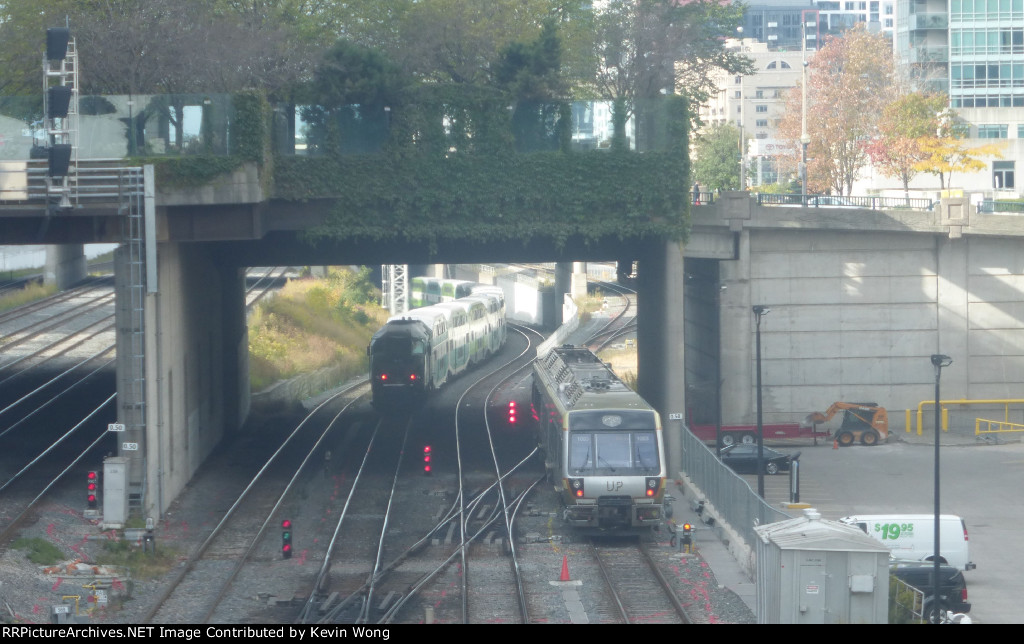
{"type": "Point", "coordinates": [623, 362]}
{"type": "Point", "coordinates": [141, 565]}
{"type": "Point", "coordinates": [32, 292]}
{"type": "Point", "coordinates": [40, 551]}
{"type": "Point", "coordinates": [314, 323]}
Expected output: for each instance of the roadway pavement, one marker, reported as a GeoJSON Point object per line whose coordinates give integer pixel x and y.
{"type": "Point", "coordinates": [976, 484]}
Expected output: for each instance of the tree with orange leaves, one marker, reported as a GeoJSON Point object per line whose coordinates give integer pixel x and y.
{"type": "Point", "coordinates": [850, 80]}
{"type": "Point", "coordinates": [897, 151]}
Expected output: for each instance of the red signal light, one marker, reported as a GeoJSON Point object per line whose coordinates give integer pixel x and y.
{"type": "Point", "coordinates": [286, 539]}
{"type": "Point", "coordinates": [412, 376]}
{"type": "Point", "coordinates": [511, 412]}
{"type": "Point", "coordinates": [92, 479]}
{"type": "Point", "coordinates": [383, 376]}
{"type": "Point", "coordinates": [426, 459]}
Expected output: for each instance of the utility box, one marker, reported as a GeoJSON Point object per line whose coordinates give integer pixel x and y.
{"type": "Point", "coordinates": [115, 491]}
{"type": "Point", "coordinates": [813, 571]}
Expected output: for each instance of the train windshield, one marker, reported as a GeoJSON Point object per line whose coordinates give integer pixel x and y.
{"type": "Point", "coordinates": [602, 452]}
{"type": "Point", "coordinates": [398, 346]}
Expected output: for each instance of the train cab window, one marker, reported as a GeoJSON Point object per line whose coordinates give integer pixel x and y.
{"type": "Point", "coordinates": [612, 451]}
{"type": "Point", "coordinates": [391, 346]}
{"type": "Point", "coordinates": [646, 451]}
{"type": "Point", "coordinates": [579, 453]}
{"type": "Point", "coordinates": [418, 348]}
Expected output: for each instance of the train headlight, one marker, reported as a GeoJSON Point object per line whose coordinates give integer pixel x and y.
{"type": "Point", "coordinates": [576, 487]}
{"type": "Point", "coordinates": [652, 484]}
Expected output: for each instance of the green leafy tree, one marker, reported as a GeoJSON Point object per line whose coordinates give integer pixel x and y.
{"type": "Point", "coordinates": [716, 158]}
{"type": "Point", "coordinates": [163, 46]}
{"type": "Point", "coordinates": [643, 48]}
{"type": "Point", "coordinates": [349, 97]}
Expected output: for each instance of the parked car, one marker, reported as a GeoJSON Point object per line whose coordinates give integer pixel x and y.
{"type": "Point", "coordinates": [952, 587]}
{"type": "Point", "coordinates": [742, 458]}
{"type": "Point", "coordinates": [830, 201]}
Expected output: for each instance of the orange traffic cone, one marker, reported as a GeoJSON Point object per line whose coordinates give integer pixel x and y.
{"type": "Point", "coordinates": [835, 444]}
{"type": "Point", "coordinates": [565, 568]}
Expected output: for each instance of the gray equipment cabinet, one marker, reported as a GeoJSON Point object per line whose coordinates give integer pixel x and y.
{"type": "Point", "coordinates": [814, 571]}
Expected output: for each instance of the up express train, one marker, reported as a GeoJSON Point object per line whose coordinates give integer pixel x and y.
{"type": "Point", "coordinates": [603, 444]}
{"type": "Point", "coordinates": [417, 352]}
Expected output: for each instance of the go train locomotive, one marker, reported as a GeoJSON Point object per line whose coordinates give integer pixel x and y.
{"type": "Point", "coordinates": [603, 443]}
{"type": "Point", "coordinates": [417, 352]}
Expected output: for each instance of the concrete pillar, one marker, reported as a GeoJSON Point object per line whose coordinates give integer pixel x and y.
{"type": "Point", "coordinates": [563, 285]}
{"type": "Point", "coordinates": [660, 342]}
{"type": "Point", "coordinates": [196, 367]}
{"type": "Point", "coordinates": [737, 337]}
{"type": "Point", "coordinates": [65, 265]}
{"type": "Point", "coordinates": [237, 390]}
{"type": "Point", "coordinates": [579, 280]}
{"type": "Point", "coordinates": [953, 319]}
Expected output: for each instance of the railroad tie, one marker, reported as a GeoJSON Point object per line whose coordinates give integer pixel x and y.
{"type": "Point", "coordinates": [387, 601]}
{"type": "Point", "coordinates": [324, 607]}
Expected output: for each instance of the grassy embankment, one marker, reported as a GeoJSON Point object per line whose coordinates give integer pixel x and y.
{"type": "Point", "coordinates": [37, 291]}
{"type": "Point", "coordinates": [314, 323]}
{"type": "Point", "coordinates": [622, 360]}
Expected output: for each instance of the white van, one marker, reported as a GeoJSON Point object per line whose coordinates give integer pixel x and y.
{"type": "Point", "coordinates": [911, 537]}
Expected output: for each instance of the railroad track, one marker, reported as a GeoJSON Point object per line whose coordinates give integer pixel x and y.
{"type": "Point", "coordinates": [640, 591]}
{"type": "Point", "coordinates": [57, 360]}
{"type": "Point", "coordinates": [435, 540]}
{"type": "Point", "coordinates": [204, 581]}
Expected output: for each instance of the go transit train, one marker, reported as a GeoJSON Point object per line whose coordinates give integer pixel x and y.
{"type": "Point", "coordinates": [603, 443]}
{"type": "Point", "coordinates": [417, 352]}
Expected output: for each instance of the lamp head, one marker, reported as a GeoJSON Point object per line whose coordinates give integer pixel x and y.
{"type": "Point", "coordinates": [940, 360]}
{"type": "Point", "coordinates": [760, 310]}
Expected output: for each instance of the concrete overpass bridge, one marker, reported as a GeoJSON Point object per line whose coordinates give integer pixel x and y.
{"type": "Point", "coordinates": [859, 301]}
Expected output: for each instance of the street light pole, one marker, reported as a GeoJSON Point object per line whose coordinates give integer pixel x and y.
{"type": "Point", "coordinates": [718, 371]}
{"type": "Point", "coordinates": [759, 311]}
{"type": "Point", "coordinates": [743, 143]}
{"type": "Point", "coordinates": [804, 138]}
{"type": "Point", "coordinates": [939, 361]}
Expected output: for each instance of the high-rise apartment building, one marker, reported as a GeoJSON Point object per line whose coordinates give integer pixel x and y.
{"type": "Point", "coordinates": [970, 50]}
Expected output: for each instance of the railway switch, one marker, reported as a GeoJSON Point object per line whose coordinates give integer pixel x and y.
{"type": "Point", "coordinates": [286, 539]}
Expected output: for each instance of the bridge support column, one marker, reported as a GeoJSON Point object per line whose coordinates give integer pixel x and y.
{"type": "Point", "coordinates": [196, 375]}
{"type": "Point", "coordinates": [579, 280]}
{"type": "Point", "coordinates": [660, 341]}
{"type": "Point", "coordinates": [563, 285]}
{"type": "Point", "coordinates": [65, 265]}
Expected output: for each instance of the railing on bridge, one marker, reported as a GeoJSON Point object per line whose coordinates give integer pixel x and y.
{"type": "Point", "coordinates": [837, 201]}
{"type": "Point", "coordinates": [98, 183]}
{"type": "Point", "coordinates": [162, 125]}
{"type": "Point", "coordinates": [992, 206]}
{"type": "Point", "coordinates": [702, 197]}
